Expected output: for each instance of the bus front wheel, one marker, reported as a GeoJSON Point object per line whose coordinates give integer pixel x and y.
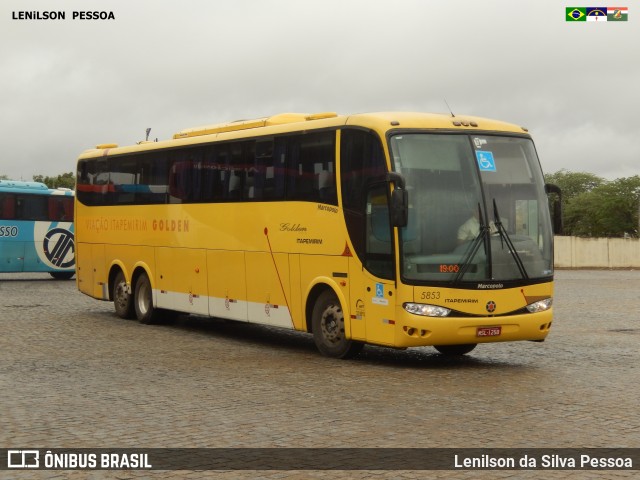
{"type": "Point", "coordinates": [143, 300]}
{"type": "Point", "coordinates": [328, 328]}
{"type": "Point", "coordinates": [455, 349]}
{"type": "Point", "coordinates": [122, 299]}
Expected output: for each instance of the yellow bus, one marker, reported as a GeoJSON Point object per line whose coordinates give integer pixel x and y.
{"type": "Point", "coordinates": [393, 229]}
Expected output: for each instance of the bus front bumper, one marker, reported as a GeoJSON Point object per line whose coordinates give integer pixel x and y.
{"type": "Point", "coordinates": [415, 330]}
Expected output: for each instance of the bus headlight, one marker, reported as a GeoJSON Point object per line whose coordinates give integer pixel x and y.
{"type": "Point", "coordinates": [540, 306]}
{"type": "Point", "coordinates": [426, 310]}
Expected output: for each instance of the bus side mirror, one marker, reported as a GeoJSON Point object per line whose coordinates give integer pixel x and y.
{"type": "Point", "coordinates": [399, 201]}
{"type": "Point", "coordinates": [555, 204]}
{"type": "Point", "coordinates": [399, 207]}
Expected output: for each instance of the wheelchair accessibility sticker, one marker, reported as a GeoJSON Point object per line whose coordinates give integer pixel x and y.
{"type": "Point", "coordinates": [486, 163]}
{"type": "Point", "coordinates": [379, 298]}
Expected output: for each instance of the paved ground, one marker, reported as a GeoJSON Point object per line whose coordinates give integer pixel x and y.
{"type": "Point", "coordinates": [74, 375]}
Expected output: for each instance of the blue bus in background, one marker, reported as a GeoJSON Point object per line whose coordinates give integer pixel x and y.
{"type": "Point", "coordinates": [36, 229]}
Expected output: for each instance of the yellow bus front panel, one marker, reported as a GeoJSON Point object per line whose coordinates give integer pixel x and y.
{"type": "Point", "coordinates": [477, 316]}
{"type": "Point", "coordinates": [414, 331]}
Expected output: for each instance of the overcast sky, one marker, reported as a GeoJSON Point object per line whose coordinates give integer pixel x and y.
{"type": "Point", "coordinates": [68, 85]}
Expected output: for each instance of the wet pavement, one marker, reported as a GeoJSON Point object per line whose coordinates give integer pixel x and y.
{"type": "Point", "coordinates": [73, 375]}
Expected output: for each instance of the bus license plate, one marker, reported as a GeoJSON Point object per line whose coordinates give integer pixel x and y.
{"type": "Point", "coordinates": [488, 331]}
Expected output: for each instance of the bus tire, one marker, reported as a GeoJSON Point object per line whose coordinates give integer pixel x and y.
{"type": "Point", "coordinates": [62, 275]}
{"type": "Point", "coordinates": [143, 300]}
{"type": "Point", "coordinates": [328, 328]}
{"type": "Point", "coordinates": [454, 350]}
{"type": "Point", "coordinates": [122, 299]}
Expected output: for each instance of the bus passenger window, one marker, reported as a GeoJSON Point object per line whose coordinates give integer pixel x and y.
{"type": "Point", "coordinates": [327, 186]}
{"type": "Point", "coordinates": [215, 171]}
{"type": "Point", "coordinates": [92, 183]}
{"type": "Point", "coordinates": [311, 172]}
{"type": "Point", "coordinates": [31, 207]}
{"type": "Point", "coordinates": [235, 185]}
{"type": "Point", "coordinates": [7, 206]}
{"type": "Point", "coordinates": [56, 209]}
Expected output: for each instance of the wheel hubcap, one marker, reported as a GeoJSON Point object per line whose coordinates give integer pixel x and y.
{"type": "Point", "coordinates": [143, 302]}
{"type": "Point", "coordinates": [333, 324]}
{"type": "Point", "coordinates": [121, 294]}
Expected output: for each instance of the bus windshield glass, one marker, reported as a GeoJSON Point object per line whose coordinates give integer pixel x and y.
{"type": "Point", "coordinates": [478, 211]}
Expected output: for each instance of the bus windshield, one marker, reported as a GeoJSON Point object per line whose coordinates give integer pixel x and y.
{"type": "Point", "coordinates": [478, 211]}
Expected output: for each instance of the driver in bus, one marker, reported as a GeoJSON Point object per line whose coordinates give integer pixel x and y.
{"type": "Point", "coordinates": [469, 230]}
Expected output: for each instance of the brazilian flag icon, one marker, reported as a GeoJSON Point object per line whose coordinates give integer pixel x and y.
{"type": "Point", "coordinates": [576, 14]}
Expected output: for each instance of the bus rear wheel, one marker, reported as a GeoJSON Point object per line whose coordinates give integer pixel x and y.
{"type": "Point", "coordinates": [143, 300]}
{"type": "Point", "coordinates": [62, 275]}
{"type": "Point", "coordinates": [122, 299]}
{"type": "Point", "coordinates": [455, 349]}
{"type": "Point", "coordinates": [328, 328]}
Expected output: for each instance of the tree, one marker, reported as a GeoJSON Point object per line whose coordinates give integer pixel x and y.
{"type": "Point", "coordinates": [573, 184]}
{"type": "Point", "coordinates": [608, 210]}
{"type": "Point", "coordinates": [66, 180]}
{"type": "Point", "coordinates": [617, 210]}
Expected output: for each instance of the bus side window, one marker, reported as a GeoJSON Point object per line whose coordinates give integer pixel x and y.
{"type": "Point", "coordinates": [261, 174]}
{"type": "Point", "coordinates": [185, 176]}
{"type": "Point", "coordinates": [362, 161]}
{"type": "Point", "coordinates": [123, 180]}
{"type": "Point", "coordinates": [56, 209]}
{"type": "Point", "coordinates": [311, 172]}
{"type": "Point", "coordinates": [67, 203]}
{"type": "Point", "coordinates": [379, 244]}
{"type": "Point", "coordinates": [327, 186]}
{"type": "Point", "coordinates": [235, 185]}
{"type": "Point", "coordinates": [279, 177]}
{"type": "Point", "coordinates": [153, 179]}
{"type": "Point", "coordinates": [31, 207]}
{"type": "Point", "coordinates": [235, 174]}
{"type": "Point", "coordinates": [213, 174]}
{"type": "Point", "coordinates": [7, 206]}
{"type": "Point", "coordinates": [60, 208]}
{"type": "Point", "coordinates": [93, 182]}
{"type": "Point", "coordinates": [249, 170]}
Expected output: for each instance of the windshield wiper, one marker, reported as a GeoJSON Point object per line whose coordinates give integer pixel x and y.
{"type": "Point", "coordinates": [473, 248]}
{"type": "Point", "coordinates": [505, 236]}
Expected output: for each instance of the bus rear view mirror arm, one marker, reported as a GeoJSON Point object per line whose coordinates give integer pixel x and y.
{"type": "Point", "coordinates": [399, 201]}
{"type": "Point", "coordinates": [556, 207]}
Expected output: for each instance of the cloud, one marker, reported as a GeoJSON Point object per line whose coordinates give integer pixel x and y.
{"type": "Point", "coordinates": [72, 84]}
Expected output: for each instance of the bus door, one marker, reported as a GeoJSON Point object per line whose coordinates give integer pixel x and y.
{"type": "Point", "coordinates": [373, 305]}
{"type": "Point", "coordinates": [11, 248]}
{"type": "Point", "coordinates": [12, 235]}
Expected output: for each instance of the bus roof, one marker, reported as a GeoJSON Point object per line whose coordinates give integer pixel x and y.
{"type": "Point", "coordinates": [16, 185]}
{"type": "Point", "coordinates": [38, 188]}
{"type": "Point", "coordinates": [283, 123]}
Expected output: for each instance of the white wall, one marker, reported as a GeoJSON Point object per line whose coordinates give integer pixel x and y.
{"type": "Point", "coordinates": [576, 252]}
